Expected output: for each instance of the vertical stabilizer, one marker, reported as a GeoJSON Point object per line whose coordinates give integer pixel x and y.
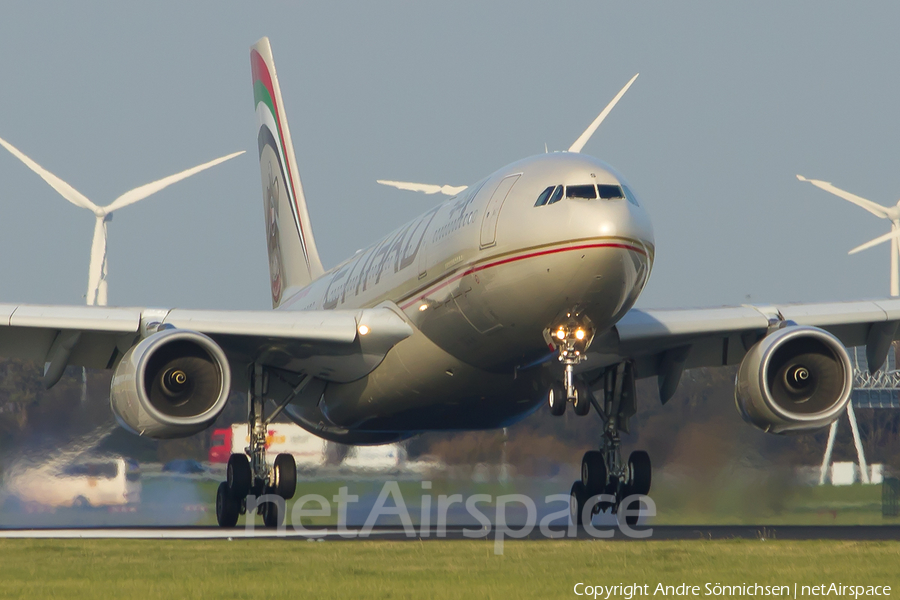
{"type": "Point", "coordinates": [293, 258]}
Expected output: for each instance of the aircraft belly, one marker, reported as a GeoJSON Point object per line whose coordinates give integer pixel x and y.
{"type": "Point", "coordinates": [421, 387]}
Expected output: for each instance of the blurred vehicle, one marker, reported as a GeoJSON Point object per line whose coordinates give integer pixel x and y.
{"type": "Point", "coordinates": [386, 458]}
{"type": "Point", "coordinates": [94, 481]}
{"type": "Point", "coordinates": [426, 464]}
{"type": "Point", "coordinates": [184, 466]}
{"type": "Point", "coordinates": [307, 449]}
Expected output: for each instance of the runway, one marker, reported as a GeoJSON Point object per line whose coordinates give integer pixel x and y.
{"type": "Point", "coordinates": [660, 532]}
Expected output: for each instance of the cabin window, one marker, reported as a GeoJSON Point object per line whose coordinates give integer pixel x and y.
{"type": "Point", "coordinates": [581, 192]}
{"type": "Point", "coordinates": [610, 192]}
{"type": "Point", "coordinates": [545, 196]}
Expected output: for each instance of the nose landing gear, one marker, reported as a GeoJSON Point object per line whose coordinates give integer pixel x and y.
{"type": "Point", "coordinates": [571, 339]}
{"type": "Point", "coordinates": [603, 472]}
{"type": "Point", "coordinates": [249, 474]}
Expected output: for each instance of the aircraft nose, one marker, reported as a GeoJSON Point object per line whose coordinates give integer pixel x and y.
{"type": "Point", "coordinates": [620, 219]}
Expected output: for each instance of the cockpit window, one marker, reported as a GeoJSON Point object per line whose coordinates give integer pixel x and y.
{"type": "Point", "coordinates": [630, 195]}
{"type": "Point", "coordinates": [545, 196]}
{"type": "Point", "coordinates": [610, 192]}
{"type": "Point", "coordinates": [557, 195]}
{"type": "Point", "coordinates": [583, 192]}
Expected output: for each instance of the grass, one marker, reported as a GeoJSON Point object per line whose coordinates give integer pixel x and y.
{"type": "Point", "coordinates": [759, 504]}
{"type": "Point", "coordinates": [447, 569]}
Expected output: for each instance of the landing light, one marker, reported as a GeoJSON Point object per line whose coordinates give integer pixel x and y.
{"type": "Point", "coordinates": [561, 334]}
{"type": "Point", "coordinates": [423, 308]}
{"type": "Point", "coordinates": [363, 329]}
{"type": "Point", "coordinates": [579, 334]}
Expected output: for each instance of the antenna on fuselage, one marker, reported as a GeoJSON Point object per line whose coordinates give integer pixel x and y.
{"type": "Point", "coordinates": [584, 137]}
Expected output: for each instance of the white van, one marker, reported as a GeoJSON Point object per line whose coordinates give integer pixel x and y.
{"type": "Point", "coordinates": [94, 481]}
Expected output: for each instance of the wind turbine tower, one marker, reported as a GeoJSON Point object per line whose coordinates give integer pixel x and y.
{"type": "Point", "coordinates": [892, 214]}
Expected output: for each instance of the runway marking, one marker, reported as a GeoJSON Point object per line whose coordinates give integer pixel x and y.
{"type": "Point", "coordinates": [391, 533]}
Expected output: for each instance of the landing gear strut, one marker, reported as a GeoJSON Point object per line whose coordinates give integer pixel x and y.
{"type": "Point", "coordinates": [603, 471]}
{"type": "Point", "coordinates": [571, 339]}
{"type": "Point", "coordinates": [249, 474]}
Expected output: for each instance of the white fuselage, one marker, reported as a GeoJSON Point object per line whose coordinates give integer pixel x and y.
{"type": "Point", "coordinates": [481, 277]}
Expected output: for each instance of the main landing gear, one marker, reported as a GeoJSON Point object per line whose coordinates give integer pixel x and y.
{"type": "Point", "coordinates": [603, 472]}
{"type": "Point", "coordinates": [249, 474]}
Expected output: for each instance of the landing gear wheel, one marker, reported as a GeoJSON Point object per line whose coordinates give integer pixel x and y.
{"type": "Point", "coordinates": [593, 473]}
{"type": "Point", "coordinates": [227, 506]}
{"type": "Point", "coordinates": [556, 398]}
{"type": "Point", "coordinates": [639, 473]}
{"type": "Point", "coordinates": [582, 404]}
{"type": "Point", "coordinates": [238, 475]}
{"type": "Point", "coordinates": [272, 513]}
{"type": "Point", "coordinates": [631, 519]}
{"type": "Point", "coordinates": [577, 499]}
{"type": "Point", "coordinates": [284, 476]}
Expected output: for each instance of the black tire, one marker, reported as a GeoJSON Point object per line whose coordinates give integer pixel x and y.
{"type": "Point", "coordinates": [593, 473]}
{"type": "Point", "coordinates": [238, 475]}
{"type": "Point", "coordinates": [582, 404]}
{"type": "Point", "coordinates": [631, 519]}
{"type": "Point", "coordinates": [272, 514]}
{"type": "Point", "coordinates": [284, 476]}
{"type": "Point", "coordinates": [227, 506]}
{"type": "Point", "coordinates": [556, 398]}
{"type": "Point", "coordinates": [577, 499]}
{"type": "Point", "coordinates": [639, 471]}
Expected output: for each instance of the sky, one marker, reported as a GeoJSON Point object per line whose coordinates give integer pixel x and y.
{"type": "Point", "coordinates": [733, 100]}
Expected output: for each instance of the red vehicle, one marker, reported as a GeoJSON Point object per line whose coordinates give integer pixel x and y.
{"type": "Point", "coordinates": [307, 449]}
{"type": "Point", "coordinates": [220, 446]}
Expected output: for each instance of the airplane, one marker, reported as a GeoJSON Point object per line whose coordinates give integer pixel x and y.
{"type": "Point", "coordinates": [514, 293]}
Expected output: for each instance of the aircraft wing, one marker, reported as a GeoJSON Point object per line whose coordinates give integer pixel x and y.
{"type": "Point", "coordinates": [665, 342]}
{"type": "Point", "coordinates": [329, 345]}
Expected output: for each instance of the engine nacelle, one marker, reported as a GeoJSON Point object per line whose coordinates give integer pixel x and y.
{"type": "Point", "coordinates": [172, 384]}
{"type": "Point", "coordinates": [795, 379]}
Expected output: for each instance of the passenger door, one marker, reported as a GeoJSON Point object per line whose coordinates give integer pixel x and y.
{"type": "Point", "coordinates": [492, 210]}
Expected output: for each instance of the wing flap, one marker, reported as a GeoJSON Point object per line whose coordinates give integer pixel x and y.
{"type": "Point", "coordinates": [330, 345]}
{"type": "Point", "coordinates": [721, 336]}
{"type": "Point", "coordinates": [330, 327]}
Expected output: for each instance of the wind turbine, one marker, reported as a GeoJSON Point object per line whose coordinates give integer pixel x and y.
{"type": "Point", "coordinates": [449, 190]}
{"type": "Point", "coordinates": [891, 213]}
{"type": "Point", "coordinates": [97, 269]}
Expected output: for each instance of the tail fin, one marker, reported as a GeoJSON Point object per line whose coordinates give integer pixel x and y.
{"type": "Point", "coordinates": [293, 258]}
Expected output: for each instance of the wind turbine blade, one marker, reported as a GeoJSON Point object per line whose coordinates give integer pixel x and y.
{"type": "Point", "coordinates": [879, 240]}
{"type": "Point", "coordinates": [139, 193]}
{"type": "Point", "coordinates": [426, 188]}
{"type": "Point", "coordinates": [584, 137]}
{"type": "Point", "coordinates": [876, 209]}
{"type": "Point", "coordinates": [64, 189]}
{"type": "Point", "coordinates": [98, 258]}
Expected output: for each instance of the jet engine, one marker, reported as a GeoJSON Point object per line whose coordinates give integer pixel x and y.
{"type": "Point", "coordinates": [172, 384]}
{"type": "Point", "coordinates": [795, 379]}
